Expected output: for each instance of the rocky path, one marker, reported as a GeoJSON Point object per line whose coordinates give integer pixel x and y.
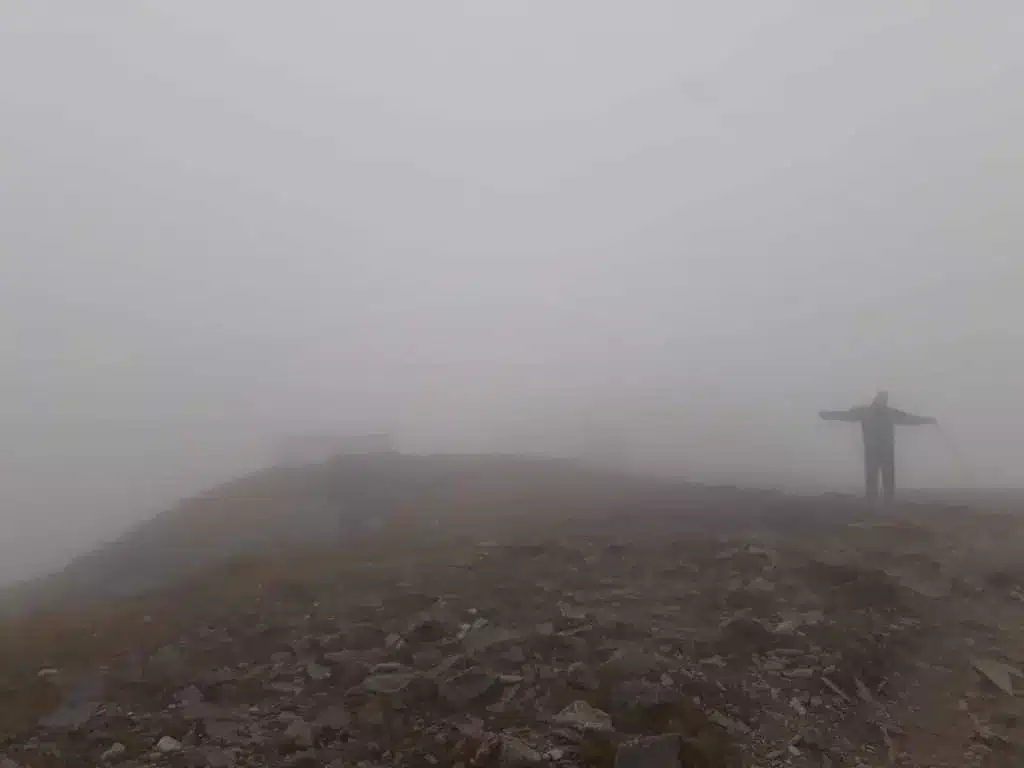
{"type": "Point", "coordinates": [600, 643]}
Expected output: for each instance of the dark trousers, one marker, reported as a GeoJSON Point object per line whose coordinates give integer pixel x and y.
{"type": "Point", "coordinates": [879, 463]}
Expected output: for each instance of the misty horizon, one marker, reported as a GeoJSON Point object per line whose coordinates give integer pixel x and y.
{"type": "Point", "coordinates": [669, 234]}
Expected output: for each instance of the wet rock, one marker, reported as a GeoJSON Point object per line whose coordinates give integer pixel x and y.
{"type": "Point", "coordinates": [650, 752]}
{"type": "Point", "coordinates": [168, 745]}
{"type": "Point", "coordinates": [516, 753]}
{"type": "Point", "coordinates": [462, 689]}
{"type": "Point", "coordinates": [584, 717]}
{"type": "Point", "coordinates": [997, 673]}
{"type": "Point", "coordinates": [114, 752]}
{"type": "Point", "coordinates": [346, 668]}
{"type": "Point", "coordinates": [793, 621]}
{"type": "Point", "coordinates": [572, 612]}
{"type": "Point", "coordinates": [632, 661]}
{"type": "Point", "coordinates": [450, 665]}
{"type": "Point", "coordinates": [731, 725]}
{"type": "Point", "coordinates": [800, 673]}
{"type": "Point", "coordinates": [317, 672]}
{"type": "Point", "coordinates": [485, 638]}
{"type": "Point", "coordinates": [387, 683]}
{"type": "Point", "coordinates": [863, 691]}
{"type": "Point", "coordinates": [412, 685]}
{"type": "Point", "coordinates": [299, 734]}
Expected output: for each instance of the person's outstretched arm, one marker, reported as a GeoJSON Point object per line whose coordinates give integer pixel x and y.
{"type": "Point", "coordinates": [904, 419]}
{"type": "Point", "coordinates": [853, 414]}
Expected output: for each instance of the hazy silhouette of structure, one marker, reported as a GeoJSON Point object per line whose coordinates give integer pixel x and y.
{"type": "Point", "coordinates": [298, 450]}
{"type": "Point", "coordinates": [878, 424]}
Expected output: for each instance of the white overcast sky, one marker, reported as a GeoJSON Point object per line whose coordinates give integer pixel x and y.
{"type": "Point", "coordinates": [500, 225]}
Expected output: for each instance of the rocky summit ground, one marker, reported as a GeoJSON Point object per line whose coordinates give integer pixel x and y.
{"type": "Point", "coordinates": [806, 632]}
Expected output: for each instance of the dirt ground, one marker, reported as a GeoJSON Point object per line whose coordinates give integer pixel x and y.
{"type": "Point", "coordinates": [719, 628]}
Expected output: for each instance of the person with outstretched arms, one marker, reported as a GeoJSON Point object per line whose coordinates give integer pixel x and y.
{"type": "Point", "coordinates": [878, 424]}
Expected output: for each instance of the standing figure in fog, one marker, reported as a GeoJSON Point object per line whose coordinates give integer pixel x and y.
{"type": "Point", "coordinates": [878, 422]}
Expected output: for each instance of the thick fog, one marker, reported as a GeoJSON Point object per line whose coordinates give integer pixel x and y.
{"type": "Point", "coordinates": [664, 232]}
